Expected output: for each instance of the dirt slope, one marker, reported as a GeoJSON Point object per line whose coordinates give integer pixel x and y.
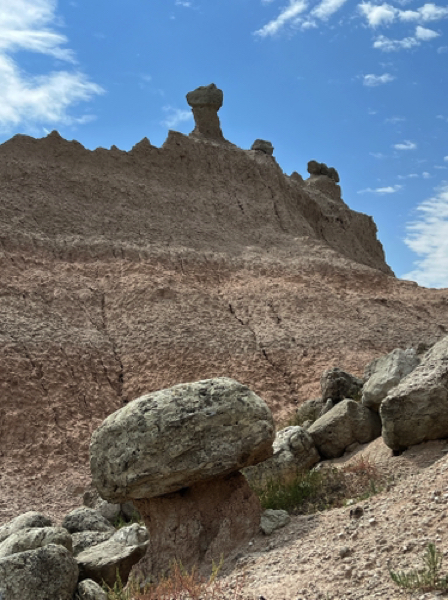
{"type": "Point", "coordinates": [123, 273]}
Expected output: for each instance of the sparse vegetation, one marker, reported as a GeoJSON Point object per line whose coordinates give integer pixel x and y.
{"type": "Point", "coordinates": [120, 521]}
{"type": "Point", "coordinates": [322, 489]}
{"type": "Point", "coordinates": [177, 584]}
{"type": "Point", "coordinates": [426, 579]}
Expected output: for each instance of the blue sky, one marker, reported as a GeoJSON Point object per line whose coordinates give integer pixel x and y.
{"type": "Point", "coordinates": [360, 85]}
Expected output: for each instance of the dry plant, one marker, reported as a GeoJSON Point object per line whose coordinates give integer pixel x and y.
{"type": "Point", "coordinates": [362, 478]}
{"type": "Point", "coordinates": [178, 584]}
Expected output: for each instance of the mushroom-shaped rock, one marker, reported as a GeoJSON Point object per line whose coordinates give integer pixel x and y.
{"type": "Point", "coordinates": [263, 146]}
{"type": "Point", "coordinates": [205, 102]}
{"type": "Point", "coordinates": [177, 453]}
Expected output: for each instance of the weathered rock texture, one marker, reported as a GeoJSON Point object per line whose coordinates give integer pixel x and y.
{"type": "Point", "coordinates": [185, 526]}
{"type": "Point", "coordinates": [205, 102]}
{"type": "Point", "coordinates": [386, 372]}
{"type": "Point", "coordinates": [336, 384]}
{"type": "Point", "coordinates": [86, 519]}
{"type": "Point", "coordinates": [35, 537]}
{"type": "Point", "coordinates": [416, 410]}
{"type": "Point", "coordinates": [90, 590]}
{"type": "Point", "coordinates": [263, 146]}
{"type": "Point", "coordinates": [177, 437]}
{"type": "Point", "coordinates": [129, 272]}
{"type": "Point", "coordinates": [294, 452]}
{"type": "Point", "coordinates": [46, 573]}
{"type": "Point", "coordinates": [346, 423]}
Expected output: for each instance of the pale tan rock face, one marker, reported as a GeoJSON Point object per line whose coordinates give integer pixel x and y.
{"type": "Point", "coordinates": [124, 273]}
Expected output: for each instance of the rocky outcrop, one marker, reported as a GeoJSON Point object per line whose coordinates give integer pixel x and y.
{"type": "Point", "coordinates": [263, 146]}
{"type": "Point", "coordinates": [385, 373]}
{"type": "Point", "coordinates": [294, 452]}
{"type": "Point", "coordinates": [86, 539]}
{"type": "Point", "coordinates": [171, 439]}
{"type": "Point", "coordinates": [205, 102]}
{"type": "Point", "coordinates": [177, 453]}
{"type": "Point", "coordinates": [24, 521]}
{"type": "Point", "coordinates": [35, 537]}
{"type": "Point", "coordinates": [416, 409]}
{"type": "Point", "coordinates": [337, 384]}
{"type": "Point", "coordinates": [102, 561]}
{"type": "Point", "coordinates": [315, 169]}
{"type": "Point", "coordinates": [48, 572]}
{"type": "Point", "coordinates": [86, 519]}
{"type": "Point", "coordinates": [124, 273]}
{"type": "Point", "coordinates": [346, 423]}
{"type": "Point", "coordinates": [90, 590]}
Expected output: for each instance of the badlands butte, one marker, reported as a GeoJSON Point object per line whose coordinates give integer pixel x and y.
{"type": "Point", "coordinates": [123, 273]}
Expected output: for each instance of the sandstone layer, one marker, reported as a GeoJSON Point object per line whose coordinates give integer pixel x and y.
{"type": "Point", "coordinates": [124, 273]}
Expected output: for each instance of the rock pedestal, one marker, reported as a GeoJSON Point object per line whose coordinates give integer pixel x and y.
{"type": "Point", "coordinates": [199, 525]}
{"type": "Point", "coordinates": [205, 102]}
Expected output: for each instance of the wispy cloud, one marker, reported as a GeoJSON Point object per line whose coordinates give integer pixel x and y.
{"type": "Point", "coordinates": [422, 34]}
{"type": "Point", "coordinates": [410, 176]}
{"type": "Point", "coordinates": [395, 120]}
{"type": "Point", "coordinates": [374, 80]}
{"type": "Point", "coordinates": [288, 16]}
{"type": "Point", "coordinates": [175, 116]}
{"type": "Point", "coordinates": [377, 154]}
{"type": "Point", "coordinates": [327, 8]}
{"type": "Point", "coordinates": [378, 14]}
{"type": "Point", "coordinates": [390, 189]}
{"type": "Point", "coordinates": [25, 99]}
{"type": "Point", "coordinates": [445, 158]}
{"type": "Point", "coordinates": [406, 145]}
{"type": "Point", "coordinates": [428, 238]}
{"type": "Point", "coordinates": [385, 14]}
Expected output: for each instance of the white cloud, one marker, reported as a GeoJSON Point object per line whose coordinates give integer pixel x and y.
{"type": "Point", "coordinates": [378, 14]}
{"type": "Point", "coordinates": [184, 3]}
{"type": "Point", "coordinates": [395, 120]}
{"type": "Point", "coordinates": [428, 238]}
{"type": "Point", "coordinates": [374, 80]}
{"type": "Point", "coordinates": [426, 175]}
{"type": "Point", "coordinates": [445, 158]}
{"type": "Point", "coordinates": [326, 8]}
{"type": "Point", "coordinates": [377, 154]}
{"type": "Point", "coordinates": [406, 145]}
{"type": "Point", "coordinates": [26, 99]}
{"type": "Point", "coordinates": [390, 189]}
{"type": "Point", "coordinates": [175, 116]}
{"type": "Point", "coordinates": [442, 50]}
{"type": "Point", "coordinates": [289, 15]}
{"type": "Point", "coordinates": [410, 176]}
{"type": "Point", "coordinates": [422, 33]}
{"type": "Point", "coordinates": [387, 45]}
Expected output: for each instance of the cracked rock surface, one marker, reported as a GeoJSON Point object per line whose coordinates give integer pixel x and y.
{"type": "Point", "coordinates": [124, 273]}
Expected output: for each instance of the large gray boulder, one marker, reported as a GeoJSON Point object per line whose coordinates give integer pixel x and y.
{"type": "Point", "coordinates": [337, 384]}
{"type": "Point", "coordinates": [176, 437]}
{"type": "Point", "coordinates": [294, 452]}
{"type": "Point", "coordinates": [47, 573]}
{"type": "Point", "coordinates": [346, 423]}
{"type": "Point", "coordinates": [309, 411]}
{"type": "Point", "coordinates": [28, 519]}
{"type": "Point", "coordinates": [103, 561]}
{"type": "Point", "coordinates": [385, 373]}
{"type": "Point", "coordinates": [416, 409]}
{"type": "Point", "coordinates": [86, 539]}
{"type": "Point", "coordinates": [35, 537]}
{"type": "Point", "coordinates": [86, 519]}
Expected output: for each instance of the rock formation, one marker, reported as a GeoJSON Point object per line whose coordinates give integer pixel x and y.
{"type": "Point", "coordinates": [177, 453]}
{"type": "Point", "coordinates": [205, 102]}
{"type": "Point", "coordinates": [263, 146]}
{"type": "Point", "coordinates": [129, 272]}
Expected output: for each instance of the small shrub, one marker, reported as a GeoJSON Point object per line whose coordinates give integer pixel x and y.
{"type": "Point", "coordinates": [426, 579]}
{"type": "Point", "coordinates": [177, 584]}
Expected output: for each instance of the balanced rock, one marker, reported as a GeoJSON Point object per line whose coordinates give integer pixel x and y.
{"type": "Point", "coordinates": [173, 438]}
{"type": "Point", "coordinates": [35, 537]}
{"type": "Point", "coordinates": [294, 452]}
{"type": "Point", "coordinates": [385, 373]}
{"type": "Point", "coordinates": [416, 410]}
{"type": "Point", "coordinates": [337, 384]}
{"type": "Point", "coordinates": [346, 423]}
{"type": "Point", "coordinates": [177, 453]}
{"type": "Point", "coordinates": [43, 574]}
{"type": "Point", "coordinates": [263, 146]}
{"type": "Point", "coordinates": [205, 102]}
{"type": "Point", "coordinates": [26, 520]}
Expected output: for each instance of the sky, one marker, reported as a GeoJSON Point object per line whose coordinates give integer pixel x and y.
{"type": "Point", "coordinates": [360, 85]}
